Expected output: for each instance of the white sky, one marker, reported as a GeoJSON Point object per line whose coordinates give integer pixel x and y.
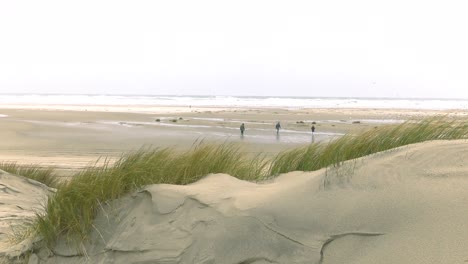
{"type": "Point", "coordinates": [298, 48]}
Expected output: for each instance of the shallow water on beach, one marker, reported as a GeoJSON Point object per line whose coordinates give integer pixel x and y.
{"type": "Point", "coordinates": [220, 132]}
{"type": "Point", "coordinates": [194, 132]}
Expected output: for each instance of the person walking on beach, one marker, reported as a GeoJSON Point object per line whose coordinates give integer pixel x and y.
{"type": "Point", "coordinates": [242, 129]}
{"type": "Point", "coordinates": [313, 130]}
{"type": "Point", "coordinates": [278, 126]}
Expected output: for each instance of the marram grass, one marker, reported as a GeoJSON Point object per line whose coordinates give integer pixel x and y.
{"type": "Point", "coordinates": [46, 176]}
{"type": "Point", "coordinates": [71, 211]}
{"type": "Point", "coordinates": [317, 156]}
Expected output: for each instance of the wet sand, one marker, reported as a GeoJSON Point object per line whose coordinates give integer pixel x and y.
{"type": "Point", "coordinates": [74, 138]}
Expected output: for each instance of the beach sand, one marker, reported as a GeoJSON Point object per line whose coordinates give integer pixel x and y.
{"type": "Point", "coordinates": [74, 137]}
{"type": "Point", "coordinates": [406, 205]}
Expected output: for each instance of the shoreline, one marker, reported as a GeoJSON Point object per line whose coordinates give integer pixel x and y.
{"type": "Point", "coordinates": [153, 109]}
{"type": "Point", "coordinates": [70, 101]}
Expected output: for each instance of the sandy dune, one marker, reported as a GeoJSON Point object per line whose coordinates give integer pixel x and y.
{"type": "Point", "coordinates": [407, 205]}
{"type": "Point", "coordinates": [20, 199]}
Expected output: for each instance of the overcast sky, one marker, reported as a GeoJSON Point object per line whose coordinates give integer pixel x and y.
{"type": "Point", "coordinates": [298, 48]}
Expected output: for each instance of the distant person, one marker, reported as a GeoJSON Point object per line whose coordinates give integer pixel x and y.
{"type": "Point", "coordinates": [242, 129]}
{"type": "Point", "coordinates": [278, 126]}
{"type": "Point", "coordinates": [313, 130]}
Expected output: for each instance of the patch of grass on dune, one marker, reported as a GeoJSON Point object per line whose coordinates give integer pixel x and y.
{"type": "Point", "coordinates": [46, 176]}
{"type": "Point", "coordinates": [317, 156]}
{"type": "Point", "coordinates": [71, 211]}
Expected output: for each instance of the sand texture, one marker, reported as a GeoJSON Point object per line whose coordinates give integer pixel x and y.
{"type": "Point", "coordinates": [408, 205]}
{"type": "Point", "coordinates": [20, 200]}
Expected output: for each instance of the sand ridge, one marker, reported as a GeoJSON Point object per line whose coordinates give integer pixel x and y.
{"type": "Point", "coordinates": [406, 205]}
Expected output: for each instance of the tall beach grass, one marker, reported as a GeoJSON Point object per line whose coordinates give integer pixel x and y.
{"type": "Point", "coordinates": [46, 175]}
{"type": "Point", "coordinates": [70, 213]}
{"type": "Point", "coordinates": [316, 156]}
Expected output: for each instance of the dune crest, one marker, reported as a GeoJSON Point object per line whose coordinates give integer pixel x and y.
{"type": "Point", "coordinates": [407, 205]}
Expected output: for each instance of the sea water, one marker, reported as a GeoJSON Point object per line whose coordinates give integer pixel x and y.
{"type": "Point", "coordinates": [231, 101]}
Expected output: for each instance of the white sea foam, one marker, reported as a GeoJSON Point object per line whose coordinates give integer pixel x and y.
{"type": "Point", "coordinates": [3, 115]}
{"type": "Point", "coordinates": [229, 101]}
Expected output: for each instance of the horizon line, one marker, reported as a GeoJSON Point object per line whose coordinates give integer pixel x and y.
{"type": "Point", "coordinates": [241, 96]}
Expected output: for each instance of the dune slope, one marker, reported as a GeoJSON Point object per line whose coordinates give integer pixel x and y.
{"type": "Point", "coordinates": [20, 200]}
{"type": "Point", "coordinates": [407, 205]}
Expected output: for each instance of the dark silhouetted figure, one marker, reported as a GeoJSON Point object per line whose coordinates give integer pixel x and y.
{"type": "Point", "coordinates": [242, 129]}
{"type": "Point", "coordinates": [278, 126]}
{"type": "Point", "coordinates": [313, 130]}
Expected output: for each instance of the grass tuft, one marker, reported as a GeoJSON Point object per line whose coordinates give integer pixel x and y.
{"type": "Point", "coordinates": [46, 176]}
{"type": "Point", "coordinates": [71, 211]}
{"type": "Point", "coordinates": [320, 155]}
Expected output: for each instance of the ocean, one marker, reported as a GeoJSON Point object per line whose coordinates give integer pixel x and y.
{"type": "Point", "coordinates": [231, 101]}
